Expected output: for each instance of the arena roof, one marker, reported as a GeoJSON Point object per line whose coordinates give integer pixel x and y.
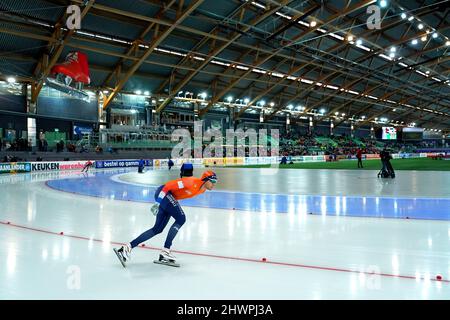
{"type": "Point", "coordinates": [304, 58]}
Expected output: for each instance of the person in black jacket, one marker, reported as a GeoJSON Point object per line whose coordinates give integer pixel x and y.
{"type": "Point", "coordinates": [141, 166]}
{"type": "Point", "coordinates": [387, 169]}
{"type": "Point", "coordinates": [186, 170]}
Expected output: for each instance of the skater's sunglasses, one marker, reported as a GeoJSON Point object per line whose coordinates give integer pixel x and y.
{"type": "Point", "coordinates": [213, 180]}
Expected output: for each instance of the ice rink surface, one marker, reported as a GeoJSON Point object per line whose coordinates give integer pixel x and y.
{"type": "Point", "coordinates": [324, 234]}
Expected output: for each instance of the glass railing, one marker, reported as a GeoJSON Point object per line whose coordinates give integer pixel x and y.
{"type": "Point", "coordinates": [141, 144]}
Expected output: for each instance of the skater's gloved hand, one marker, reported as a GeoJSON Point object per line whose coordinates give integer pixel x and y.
{"type": "Point", "coordinates": [154, 209]}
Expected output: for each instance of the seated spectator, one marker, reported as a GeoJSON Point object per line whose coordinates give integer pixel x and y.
{"type": "Point", "coordinates": [84, 149]}
{"type": "Point", "coordinates": [71, 147]}
{"type": "Point", "coordinates": [61, 143]}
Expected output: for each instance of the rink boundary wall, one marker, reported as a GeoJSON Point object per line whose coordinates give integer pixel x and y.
{"type": "Point", "coordinates": [23, 167]}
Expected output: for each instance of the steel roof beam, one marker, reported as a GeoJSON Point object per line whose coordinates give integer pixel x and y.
{"type": "Point", "coordinates": [216, 51]}
{"type": "Point", "coordinates": [312, 87]}
{"type": "Point", "coordinates": [157, 40]}
{"type": "Point", "coordinates": [292, 42]}
{"type": "Point", "coordinates": [135, 46]}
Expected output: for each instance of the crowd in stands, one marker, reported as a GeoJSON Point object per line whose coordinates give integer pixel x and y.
{"type": "Point", "coordinates": [297, 145]}
{"type": "Point", "coordinates": [17, 145]}
{"type": "Point", "coordinates": [61, 146]}
{"type": "Point", "coordinates": [9, 158]}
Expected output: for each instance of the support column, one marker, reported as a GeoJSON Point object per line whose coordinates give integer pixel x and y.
{"type": "Point", "coordinates": [231, 124]}
{"type": "Point", "coordinates": [31, 122]}
{"type": "Point", "coordinates": [148, 116]}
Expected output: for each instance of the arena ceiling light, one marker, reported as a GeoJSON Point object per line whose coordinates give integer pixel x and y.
{"type": "Point", "coordinates": [203, 95]}
{"type": "Point", "coordinates": [230, 98]}
{"type": "Point", "coordinates": [359, 42]}
{"type": "Point", "coordinates": [272, 104]}
{"type": "Point", "coordinates": [322, 111]}
{"type": "Point", "coordinates": [11, 80]}
{"type": "Point", "coordinates": [414, 42]}
{"type": "Point", "coordinates": [147, 93]}
{"type": "Point", "coordinates": [258, 5]}
{"type": "Point", "coordinates": [350, 38]}
{"type": "Point", "coordinates": [403, 15]}
{"type": "Point", "coordinates": [435, 35]}
{"type": "Point", "coordinates": [313, 24]}
{"type": "Point", "coordinates": [420, 26]}
{"type": "Point", "coordinates": [138, 92]}
{"type": "Point", "coordinates": [246, 100]}
{"type": "Point", "coordinates": [383, 3]}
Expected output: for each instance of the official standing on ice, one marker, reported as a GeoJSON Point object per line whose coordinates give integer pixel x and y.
{"type": "Point", "coordinates": [167, 206]}
{"type": "Point", "coordinates": [141, 166]}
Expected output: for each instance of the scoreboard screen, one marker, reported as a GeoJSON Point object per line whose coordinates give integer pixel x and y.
{"type": "Point", "coordinates": [412, 134]}
{"type": "Point", "coordinates": [389, 133]}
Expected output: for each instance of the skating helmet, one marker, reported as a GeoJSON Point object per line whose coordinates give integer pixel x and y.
{"type": "Point", "coordinates": [209, 176]}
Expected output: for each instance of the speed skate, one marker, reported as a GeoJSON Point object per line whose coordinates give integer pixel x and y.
{"type": "Point", "coordinates": [166, 262]}
{"type": "Point", "coordinates": [120, 257]}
